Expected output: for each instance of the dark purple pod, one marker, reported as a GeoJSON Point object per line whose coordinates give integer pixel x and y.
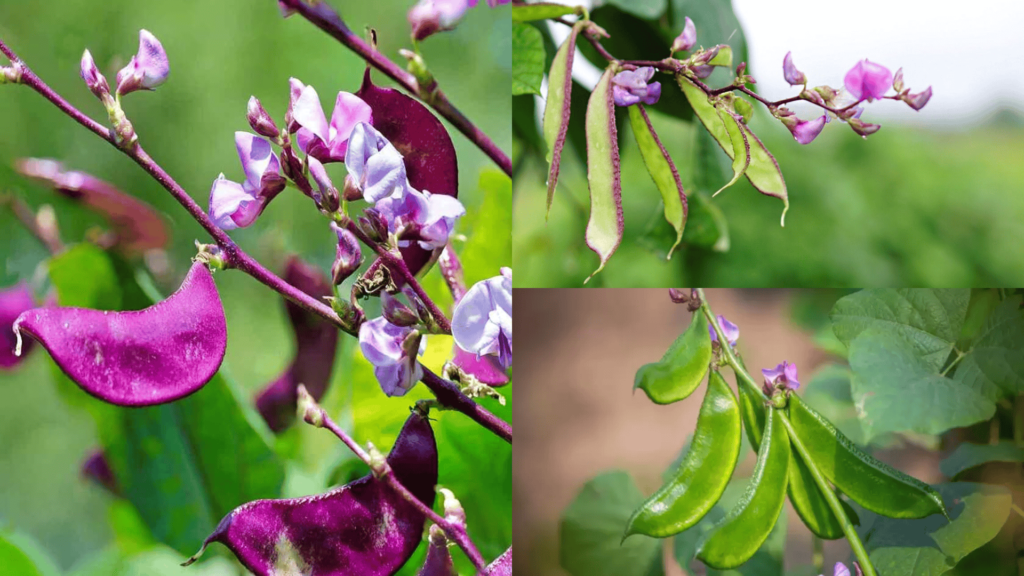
{"type": "Point", "coordinates": [485, 368]}
{"type": "Point", "coordinates": [137, 358]}
{"type": "Point", "coordinates": [364, 527]}
{"type": "Point", "coordinates": [439, 560]}
{"type": "Point", "coordinates": [430, 160]}
{"type": "Point", "coordinates": [316, 342]}
{"type": "Point", "coordinates": [137, 226]}
{"type": "Point", "coordinates": [502, 566]}
{"type": "Point", "coordinates": [13, 301]}
{"type": "Point", "coordinates": [96, 468]}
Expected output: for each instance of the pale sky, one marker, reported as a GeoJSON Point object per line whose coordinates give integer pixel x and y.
{"type": "Point", "coordinates": [971, 53]}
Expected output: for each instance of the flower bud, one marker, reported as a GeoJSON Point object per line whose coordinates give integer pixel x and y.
{"type": "Point", "coordinates": [94, 79]}
{"type": "Point", "coordinates": [705, 56]}
{"type": "Point", "coordinates": [865, 129]}
{"type": "Point", "coordinates": [812, 96]}
{"type": "Point", "coordinates": [828, 94]}
{"type": "Point", "coordinates": [453, 511]}
{"type": "Point", "coordinates": [431, 16]}
{"type": "Point", "coordinates": [349, 256]}
{"type": "Point", "coordinates": [790, 73]}
{"type": "Point", "coordinates": [374, 225]}
{"type": "Point", "coordinates": [327, 198]}
{"type": "Point", "coordinates": [352, 190]}
{"type": "Point", "coordinates": [147, 69]}
{"type": "Point", "coordinates": [897, 81]}
{"type": "Point", "coordinates": [261, 122]}
{"type": "Point", "coordinates": [686, 39]}
{"type": "Point", "coordinates": [917, 101]}
{"type": "Point", "coordinates": [702, 72]}
{"type": "Point", "coordinates": [395, 312]}
{"type": "Point", "coordinates": [804, 131]}
{"type": "Point", "coordinates": [678, 295]}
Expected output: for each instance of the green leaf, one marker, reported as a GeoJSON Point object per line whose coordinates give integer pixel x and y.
{"type": "Point", "coordinates": [527, 59]}
{"type": "Point", "coordinates": [20, 555]}
{"type": "Point", "coordinates": [85, 277]}
{"type": "Point", "coordinates": [967, 456]}
{"type": "Point", "coordinates": [995, 364]}
{"type": "Point", "coordinates": [929, 319]}
{"type": "Point", "coordinates": [932, 546]}
{"type": "Point", "coordinates": [591, 531]}
{"type": "Point", "coordinates": [543, 11]}
{"type": "Point", "coordinates": [646, 9]}
{"type": "Point", "coordinates": [896, 389]}
{"type": "Point", "coordinates": [488, 244]}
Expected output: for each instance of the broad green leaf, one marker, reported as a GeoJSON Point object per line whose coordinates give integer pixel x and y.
{"type": "Point", "coordinates": [646, 9]}
{"type": "Point", "coordinates": [85, 278]}
{"type": "Point", "coordinates": [558, 107]}
{"type": "Point", "coordinates": [20, 555]}
{"type": "Point", "coordinates": [895, 389]}
{"type": "Point", "coordinates": [967, 456]}
{"type": "Point", "coordinates": [527, 59]}
{"type": "Point", "coordinates": [932, 546]}
{"type": "Point", "coordinates": [995, 364]}
{"type": "Point", "coordinates": [604, 229]}
{"type": "Point", "coordinates": [543, 11]}
{"type": "Point", "coordinates": [662, 170]}
{"type": "Point", "coordinates": [929, 319]}
{"type": "Point", "coordinates": [488, 244]}
{"type": "Point", "coordinates": [591, 531]}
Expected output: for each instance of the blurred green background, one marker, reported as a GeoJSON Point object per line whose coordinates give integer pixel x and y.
{"type": "Point", "coordinates": [220, 54]}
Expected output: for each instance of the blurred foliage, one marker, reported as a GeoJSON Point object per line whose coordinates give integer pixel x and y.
{"type": "Point", "coordinates": [220, 54]}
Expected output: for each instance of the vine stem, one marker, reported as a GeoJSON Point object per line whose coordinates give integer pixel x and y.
{"type": "Point", "coordinates": [382, 471]}
{"type": "Point", "coordinates": [730, 355]}
{"type": "Point", "coordinates": [448, 393]}
{"type": "Point", "coordinates": [323, 17]}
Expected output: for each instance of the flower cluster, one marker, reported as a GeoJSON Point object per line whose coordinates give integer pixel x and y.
{"type": "Point", "coordinates": [634, 86]}
{"type": "Point", "coordinates": [782, 377]}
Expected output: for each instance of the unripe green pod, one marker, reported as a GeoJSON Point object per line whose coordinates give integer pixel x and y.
{"type": "Point", "coordinates": [557, 107]}
{"type": "Point", "coordinates": [681, 369]}
{"type": "Point", "coordinates": [604, 230]}
{"type": "Point", "coordinates": [867, 481]}
{"type": "Point", "coordinates": [736, 538]}
{"type": "Point", "coordinates": [662, 170]}
{"type": "Point", "coordinates": [702, 475]}
{"type": "Point", "coordinates": [543, 11]}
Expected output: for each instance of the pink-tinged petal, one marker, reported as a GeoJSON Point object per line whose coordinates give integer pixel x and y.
{"type": "Point", "coordinates": [151, 61]}
{"type": "Point", "coordinates": [364, 527]}
{"type": "Point", "coordinates": [230, 203]}
{"type": "Point", "coordinates": [917, 101]}
{"type": "Point", "coordinates": [13, 301]}
{"type": "Point", "coordinates": [653, 93]}
{"type": "Point", "coordinates": [687, 38]}
{"type": "Point", "coordinates": [867, 80]}
{"type": "Point", "coordinates": [349, 110]}
{"type": "Point", "coordinates": [623, 97]}
{"type": "Point", "coordinates": [790, 73]}
{"type": "Point", "coordinates": [138, 358]}
{"type": "Point", "coordinates": [92, 76]}
{"type": "Point", "coordinates": [807, 130]}
{"type": "Point", "coordinates": [840, 570]}
{"type": "Point", "coordinates": [309, 114]}
{"type": "Point", "coordinates": [863, 128]}
{"type": "Point", "coordinates": [482, 321]}
{"type": "Point", "coordinates": [486, 369]}
{"type": "Point", "coordinates": [257, 157]}
{"type": "Point", "coordinates": [375, 164]}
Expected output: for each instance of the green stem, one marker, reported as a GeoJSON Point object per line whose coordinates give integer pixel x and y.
{"type": "Point", "coordinates": [959, 356]}
{"type": "Point", "coordinates": [730, 356]}
{"type": "Point", "coordinates": [819, 554]}
{"type": "Point", "coordinates": [1018, 420]}
{"type": "Point", "coordinates": [831, 498]}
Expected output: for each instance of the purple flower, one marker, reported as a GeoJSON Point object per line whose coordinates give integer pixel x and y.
{"type": "Point", "coordinates": [789, 71]}
{"type": "Point", "coordinates": [687, 38]}
{"type": "Point", "coordinates": [430, 16]}
{"type": "Point", "coordinates": [867, 80]}
{"type": "Point", "coordinates": [94, 79]}
{"type": "Point", "coordinates": [782, 376]}
{"type": "Point", "coordinates": [805, 131]}
{"type": "Point", "coordinates": [349, 256]}
{"type": "Point", "coordinates": [325, 142]}
{"type": "Point", "coordinates": [482, 321]}
{"type": "Point", "coordinates": [147, 69]}
{"type": "Point", "coordinates": [421, 216]}
{"type": "Point", "coordinates": [234, 205]}
{"type": "Point", "coordinates": [841, 570]}
{"type": "Point", "coordinates": [865, 129]}
{"type": "Point", "coordinates": [917, 101]}
{"type": "Point", "coordinates": [392, 351]}
{"type": "Point", "coordinates": [374, 165]}
{"type": "Point", "coordinates": [327, 195]}
{"type": "Point", "coordinates": [631, 87]}
{"type": "Point", "coordinates": [259, 120]}
{"type": "Point", "coordinates": [731, 331]}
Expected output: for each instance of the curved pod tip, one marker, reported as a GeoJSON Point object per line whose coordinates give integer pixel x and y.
{"type": "Point", "coordinates": [137, 358]}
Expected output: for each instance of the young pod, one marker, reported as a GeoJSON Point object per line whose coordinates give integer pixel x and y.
{"type": "Point", "coordinates": [867, 481]}
{"type": "Point", "coordinates": [137, 358]}
{"type": "Point", "coordinates": [736, 538]}
{"type": "Point", "coordinates": [502, 565]}
{"type": "Point", "coordinates": [662, 170]}
{"type": "Point", "coordinates": [604, 230]}
{"type": "Point", "coordinates": [557, 107]}
{"type": "Point", "coordinates": [364, 527]}
{"type": "Point", "coordinates": [703, 474]}
{"type": "Point", "coordinates": [681, 369]}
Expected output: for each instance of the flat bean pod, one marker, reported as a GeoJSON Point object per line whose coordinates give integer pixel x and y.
{"type": "Point", "coordinates": [604, 229]}
{"type": "Point", "coordinates": [704, 472]}
{"type": "Point", "coordinates": [662, 170]}
{"type": "Point", "coordinates": [736, 538]}
{"type": "Point", "coordinates": [557, 106]}
{"type": "Point", "coordinates": [867, 481]}
{"type": "Point", "coordinates": [681, 369]}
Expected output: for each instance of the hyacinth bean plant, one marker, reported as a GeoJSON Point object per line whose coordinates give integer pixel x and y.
{"type": "Point", "coordinates": [148, 358]}
{"type": "Point", "coordinates": [932, 368]}
{"type": "Point", "coordinates": [629, 84]}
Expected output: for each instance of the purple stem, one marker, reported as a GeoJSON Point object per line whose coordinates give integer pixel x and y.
{"type": "Point", "coordinates": [323, 17]}
{"type": "Point", "coordinates": [451, 270]}
{"type": "Point", "coordinates": [448, 394]}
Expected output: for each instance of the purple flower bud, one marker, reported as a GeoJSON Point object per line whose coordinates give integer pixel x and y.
{"type": "Point", "coordinates": [396, 312]}
{"type": "Point", "coordinates": [790, 73]}
{"type": "Point", "coordinates": [138, 358]}
{"type": "Point", "coordinates": [812, 96]}
{"type": "Point", "coordinates": [13, 301]}
{"type": "Point", "coordinates": [349, 257]}
{"type": "Point", "coordinates": [917, 101]}
{"type": "Point", "coordinates": [259, 120]}
{"type": "Point", "coordinates": [783, 376]}
{"type": "Point", "coordinates": [702, 72]}
{"type": "Point", "coordinates": [687, 38]}
{"type": "Point", "coordinates": [327, 197]}
{"type": "Point", "coordinates": [421, 216]}
{"type": "Point", "coordinates": [867, 80]}
{"type": "Point", "coordinates": [828, 94]}
{"type": "Point", "coordinates": [897, 81]}
{"type": "Point", "coordinates": [317, 138]}
{"type": "Point", "coordinates": [731, 331]}
{"type": "Point", "coordinates": [376, 167]}
{"type": "Point", "coordinates": [387, 347]}
{"type": "Point", "coordinates": [502, 566]}
{"type": "Point", "coordinates": [678, 295]}
{"type": "Point", "coordinates": [364, 527]}
{"type": "Point", "coordinates": [863, 128]}
{"type": "Point", "coordinates": [840, 570]}
{"type": "Point", "coordinates": [94, 79]}
{"type": "Point", "coordinates": [431, 16]}
{"type": "Point", "coordinates": [373, 224]}
{"type": "Point", "coordinates": [96, 468]}
{"type": "Point", "coordinates": [482, 321]}
{"type": "Point", "coordinates": [147, 69]}
{"type": "Point", "coordinates": [285, 9]}
{"type": "Point", "coordinates": [631, 87]}
{"type": "Point", "coordinates": [805, 131]}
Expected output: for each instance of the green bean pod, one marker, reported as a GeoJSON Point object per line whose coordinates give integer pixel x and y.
{"type": "Point", "coordinates": [662, 170]}
{"type": "Point", "coordinates": [681, 369]}
{"type": "Point", "coordinates": [557, 106]}
{"type": "Point", "coordinates": [604, 229]}
{"type": "Point", "coordinates": [702, 475]}
{"type": "Point", "coordinates": [544, 11]}
{"type": "Point", "coordinates": [736, 538]}
{"type": "Point", "coordinates": [867, 481]}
